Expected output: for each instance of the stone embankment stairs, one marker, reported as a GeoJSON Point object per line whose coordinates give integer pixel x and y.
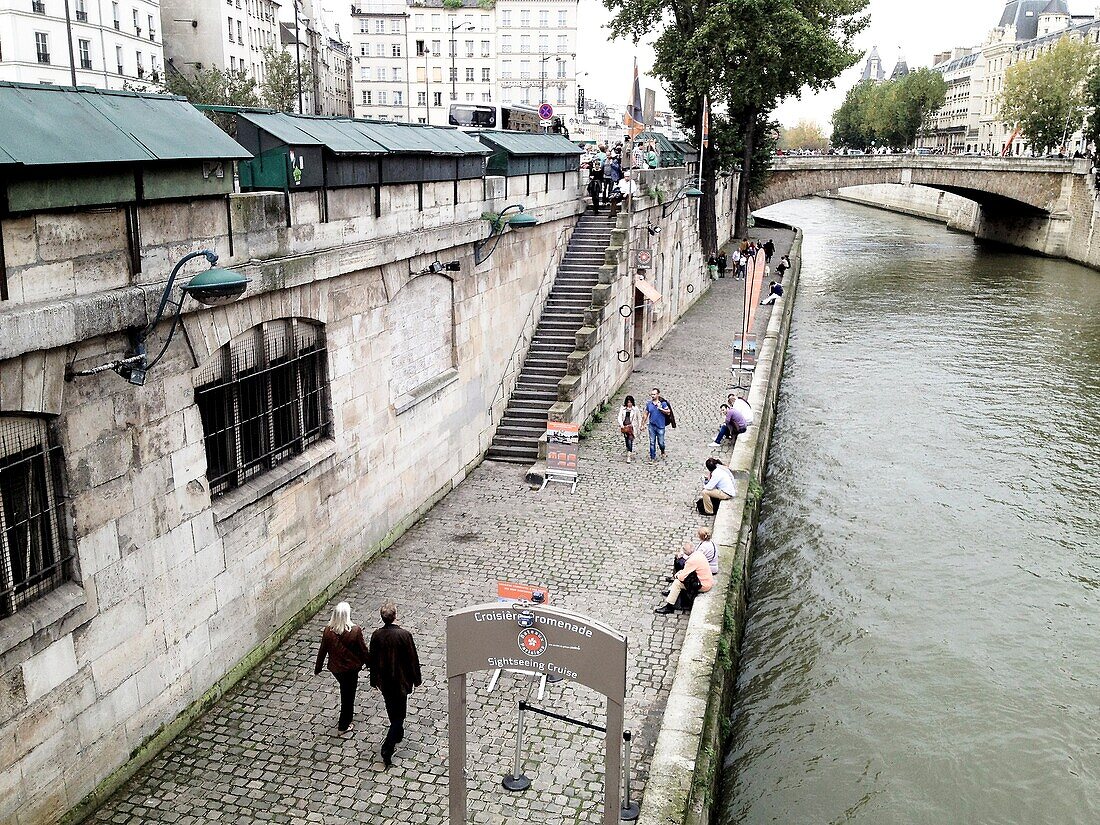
{"type": "Point", "coordinates": [524, 421]}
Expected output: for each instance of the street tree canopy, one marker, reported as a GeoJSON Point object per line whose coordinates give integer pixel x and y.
{"type": "Point", "coordinates": [745, 56]}
{"type": "Point", "coordinates": [804, 135]}
{"type": "Point", "coordinates": [1092, 102]}
{"type": "Point", "coordinates": [891, 113]}
{"type": "Point", "coordinates": [280, 86]}
{"type": "Point", "coordinates": [215, 87]}
{"type": "Point", "coordinates": [1045, 97]}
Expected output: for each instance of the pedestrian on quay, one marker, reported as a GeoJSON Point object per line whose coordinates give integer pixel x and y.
{"type": "Point", "coordinates": [712, 267]}
{"type": "Point", "coordinates": [723, 264]}
{"type": "Point", "coordinates": [343, 645]}
{"type": "Point", "coordinates": [395, 671]}
{"type": "Point", "coordinates": [742, 266]}
{"type": "Point", "coordinates": [652, 159]}
{"type": "Point", "coordinates": [630, 422]}
{"type": "Point", "coordinates": [694, 578]}
{"type": "Point", "coordinates": [595, 191]}
{"type": "Point", "coordinates": [597, 168]}
{"type": "Point", "coordinates": [769, 249]}
{"type": "Point", "coordinates": [783, 266]}
{"type": "Point", "coordinates": [613, 173]}
{"type": "Point", "coordinates": [718, 487]}
{"type": "Point", "coordinates": [657, 416]}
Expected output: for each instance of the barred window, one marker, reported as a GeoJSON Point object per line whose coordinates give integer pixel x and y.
{"type": "Point", "coordinates": [34, 549]}
{"type": "Point", "coordinates": [263, 400]}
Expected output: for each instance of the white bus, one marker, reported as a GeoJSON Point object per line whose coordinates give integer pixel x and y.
{"type": "Point", "coordinates": [515, 117]}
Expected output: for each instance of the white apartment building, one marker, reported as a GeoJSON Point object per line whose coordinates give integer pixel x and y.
{"type": "Point", "coordinates": [226, 34]}
{"type": "Point", "coordinates": [954, 128]}
{"type": "Point", "coordinates": [113, 45]}
{"type": "Point", "coordinates": [414, 58]}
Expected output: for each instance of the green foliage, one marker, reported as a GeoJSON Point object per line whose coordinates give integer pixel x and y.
{"type": "Point", "coordinates": [1092, 103]}
{"type": "Point", "coordinates": [890, 113]}
{"type": "Point", "coordinates": [215, 87]}
{"type": "Point", "coordinates": [1046, 96]}
{"type": "Point", "coordinates": [746, 56]}
{"type": "Point", "coordinates": [593, 420]}
{"type": "Point", "coordinates": [805, 135]}
{"type": "Point", "coordinates": [280, 86]}
{"type": "Point", "coordinates": [452, 4]}
{"type": "Point", "coordinates": [487, 5]}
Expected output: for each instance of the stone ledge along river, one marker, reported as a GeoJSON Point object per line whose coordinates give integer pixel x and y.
{"type": "Point", "coordinates": [923, 637]}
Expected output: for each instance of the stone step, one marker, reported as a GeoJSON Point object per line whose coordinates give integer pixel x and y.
{"type": "Point", "coordinates": [512, 455]}
{"type": "Point", "coordinates": [528, 411]}
{"type": "Point", "coordinates": [535, 395]}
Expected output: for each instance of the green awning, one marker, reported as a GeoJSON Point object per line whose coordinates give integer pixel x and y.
{"type": "Point", "coordinates": [339, 135]}
{"type": "Point", "coordinates": [528, 143]}
{"type": "Point", "coordinates": [43, 125]}
{"type": "Point", "coordinates": [420, 139]}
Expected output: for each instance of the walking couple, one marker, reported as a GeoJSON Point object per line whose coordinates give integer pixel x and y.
{"type": "Point", "coordinates": [391, 657]}
{"type": "Point", "coordinates": [656, 416]}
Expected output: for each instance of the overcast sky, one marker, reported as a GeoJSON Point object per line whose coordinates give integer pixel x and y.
{"type": "Point", "coordinates": [916, 28]}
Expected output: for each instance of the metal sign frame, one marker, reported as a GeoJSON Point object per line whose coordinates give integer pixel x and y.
{"type": "Point", "coordinates": [541, 639]}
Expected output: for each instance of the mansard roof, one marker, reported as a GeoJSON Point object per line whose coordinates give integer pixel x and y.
{"type": "Point", "coordinates": [1024, 15]}
{"type": "Point", "coordinates": [1056, 7]}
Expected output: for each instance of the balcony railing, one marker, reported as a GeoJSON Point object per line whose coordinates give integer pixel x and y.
{"type": "Point", "coordinates": [120, 69]}
{"type": "Point", "coordinates": [81, 16]}
{"type": "Point", "coordinates": [85, 63]}
{"type": "Point", "coordinates": [38, 7]}
{"type": "Point", "coordinates": [43, 57]}
{"type": "Point", "coordinates": [118, 25]}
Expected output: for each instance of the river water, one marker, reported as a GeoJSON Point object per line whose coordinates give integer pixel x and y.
{"type": "Point", "coordinates": [923, 639]}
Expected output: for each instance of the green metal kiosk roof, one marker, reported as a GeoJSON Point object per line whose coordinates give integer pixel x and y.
{"type": "Point", "coordinates": [344, 136]}
{"type": "Point", "coordinates": [528, 143]}
{"type": "Point", "coordinates": [45, 125]}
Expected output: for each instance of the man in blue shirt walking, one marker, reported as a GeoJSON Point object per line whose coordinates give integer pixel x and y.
{"type": "Point", "coordinates": [656, 416]}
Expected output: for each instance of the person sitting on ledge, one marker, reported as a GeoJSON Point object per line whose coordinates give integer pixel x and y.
{"type": "Point", "coordinates": [694, 579]}
{"type": "Point", "coordinates": [720, 486]}
{"type": "Point", "coordinates": [774, 293]}
{"type": "Point", "coordinates": [705, 546]}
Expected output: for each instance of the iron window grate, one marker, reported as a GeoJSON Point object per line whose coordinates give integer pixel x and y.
{"type": "Point", "coordinates": [34, 550]}
{"type": "Point", "coordinates": [262, 401]}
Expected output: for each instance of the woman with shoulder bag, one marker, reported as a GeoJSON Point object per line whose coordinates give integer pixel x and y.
{"type": "Point", "coordinates": [343, 643]}
{"type": "Point", "coordinates": [630, 421]}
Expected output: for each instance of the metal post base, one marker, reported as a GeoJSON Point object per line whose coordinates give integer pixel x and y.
{"type": "Point", "coordinates": [516, 783]}
{"type": "Point", "coordinates": [628, 813]}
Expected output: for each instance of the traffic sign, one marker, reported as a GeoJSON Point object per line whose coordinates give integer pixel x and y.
{"type": "Point", "coordinates": [546, 111]}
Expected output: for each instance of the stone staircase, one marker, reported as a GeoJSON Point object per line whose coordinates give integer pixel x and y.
{"type": "Point", "coordinates": [516, 439]}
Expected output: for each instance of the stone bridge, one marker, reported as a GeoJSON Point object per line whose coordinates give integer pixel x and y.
{"type": "Point", "coordinates": [1045, 205]}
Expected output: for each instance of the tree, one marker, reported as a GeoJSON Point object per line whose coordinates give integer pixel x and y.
{"type": "Point", "coordinates": [892, 113]}
{"type": "Point", "coordinates": [744, 56]}
{"type": "Point", "coordinates": [1092, 102]}
{"type": "Point", "coordinates": [214, 87]}
{"type": "Point", "coordinates": [804, 135]}
{"type": "Point", "coordinates": [1046, 96]}
{"type": "Point", "coordinates": [280, 86]}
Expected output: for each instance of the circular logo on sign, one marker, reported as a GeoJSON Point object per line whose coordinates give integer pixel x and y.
{"type": "Point", "coordinates": [546, 111]}
{"type": "Point", "coordinates": [645, 258]}
{"type": "Point", "coordinates": [532, 642]}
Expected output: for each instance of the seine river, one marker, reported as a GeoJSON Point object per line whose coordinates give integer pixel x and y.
{"type": "Point", "coordinates": [923, 643]}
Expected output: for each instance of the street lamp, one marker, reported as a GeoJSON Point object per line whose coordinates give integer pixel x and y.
{"type": "Point", "coordinates": [213, 287]}
{"type": "Point", "coordinates": [499, 223]}
{"type": "Point", "coordinates": [454, 50]}
{"type": "Point", "coordinates": [688, 190]}
{"type": "Point", "coordinates": [427, 90]}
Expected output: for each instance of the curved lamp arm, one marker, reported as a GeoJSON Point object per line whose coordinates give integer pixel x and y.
{"type": "Point", "coordinates": [211, 258]}
{"type": "Point", "coordinates": [682, 192]}
{"type": "Point", "coordinates": [498, 226]}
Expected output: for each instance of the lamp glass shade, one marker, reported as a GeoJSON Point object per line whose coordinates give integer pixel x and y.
{"type": "Point", "coordinates": [216, 286]}
{"type": "Point", "coordinates": [693, 192]}
{"type": "Point", "coordinates": [521, 220]}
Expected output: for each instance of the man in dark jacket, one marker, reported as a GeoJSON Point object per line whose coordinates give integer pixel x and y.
{"type": "Point", "coordinates": [395, 671]}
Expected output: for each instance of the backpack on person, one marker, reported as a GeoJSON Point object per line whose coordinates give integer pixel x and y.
{"type": "Point", "coordinates": [671, 415]}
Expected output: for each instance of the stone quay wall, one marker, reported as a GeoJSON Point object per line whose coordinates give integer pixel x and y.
{"type": "Point", "coordinates": [175, 593]}
{"type": "Point", "coordinates": [684, 775]}
{"type": "Point", "coordinates": [917, 201]}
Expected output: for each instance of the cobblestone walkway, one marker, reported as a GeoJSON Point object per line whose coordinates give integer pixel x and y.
{"type": "Point", "coordinates": [269, 751]}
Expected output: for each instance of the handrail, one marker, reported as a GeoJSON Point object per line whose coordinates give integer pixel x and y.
{"type": "Point", "coordinates": [525, 336]}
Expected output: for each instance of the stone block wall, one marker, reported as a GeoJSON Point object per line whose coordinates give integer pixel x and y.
{"type": "Point", "coordinates": [175, 592]}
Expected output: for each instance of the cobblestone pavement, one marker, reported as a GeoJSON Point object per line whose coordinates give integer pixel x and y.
{"type": "Point", "coordinates": [269, 751]}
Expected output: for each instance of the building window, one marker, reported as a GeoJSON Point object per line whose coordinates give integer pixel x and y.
{"type": "Point", "coordinates": [38, 7]}
{"type": "Point", "coordinates": [469, 97]}
{"type": "Point", "coordinates": [383, 99]}
{"type": "Point", "coordinates": [137, 26]}
{"type": "Point", "coordinates": [263, 400]}
{"type": "Point", "coordinates": [505, 69]}
{"type": "Point", "coordinates": [486, 48]}
{"type": "Point", "coordinates": [84, 47]}
{"type": "Point", "coordinates": [563, 43]}
{"type": "Point", "coordinates": [525, 43]}
{"type": "Point", "coordinates": [118, 59]}
{"type": "Point", "coordinates": [418, 22]}
{"type": "Point", "coordinates": [395, 50]}
{"type": "Point", "coordinates": [397, 73]}
{"type": "Point", "coordinates": [485, 75]}
{"type": "Point", "coordinates": [453, 74]}
{"type": "Point", "coordinates": [42, 46]}
{"type": "Point", "coordinates": [563, 19]}
{"type": "Point", "coordinates": [152, 28]}
{"type": "Point", "coordinates": [544, 19]}
{"type": "Point", "coordinates": [34, 550]}
{"type": "Point", "coordinates": [469, 48]}
{"type": "Point", "coordinates": [81, 11]}
{"type": "Point", "coordinates": [506, 19]}
{"type": "Point", "coordinates": [469, 75]}
{"type": "Point", "coordinates": [381, 72]}
{"type": "Point", "coordinates": [525, 19]}
{"type": "Point", "coordinates": [437, 99]}
{"type": "Point", "coordinates": [364, 26]}
{"type": "Point", "coordinates": [437, 47]}
{"type": "Point", "coordinates": [562, 66]}
{"type": "Point", "coordinates": [561, 96]}
{"type": "Point", "coordinates": [395, 27]}
{"type": "Point", "coordinates": [380, 26]}
{"type": "Point", "coordinates": [398, 99]}
{"type": "Point", "coordinates": [525, 69]}
{"type": "Point", "coordinates": [544, 44]}
{"type": "Point", "coordinates": [486, 97]}
{"type": "Point", "coordinates": [366, 98]}
{"type": "Point", "coordinates": [436, 22]}
{"type": "Point", "coordinates": [421, 98]}
{"type": "Point", "coordinates": [240, 33]}
{"type": "Point", "coordinates": [230, 21]}
{"type": "Point", "coordinates": [114, 11]}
